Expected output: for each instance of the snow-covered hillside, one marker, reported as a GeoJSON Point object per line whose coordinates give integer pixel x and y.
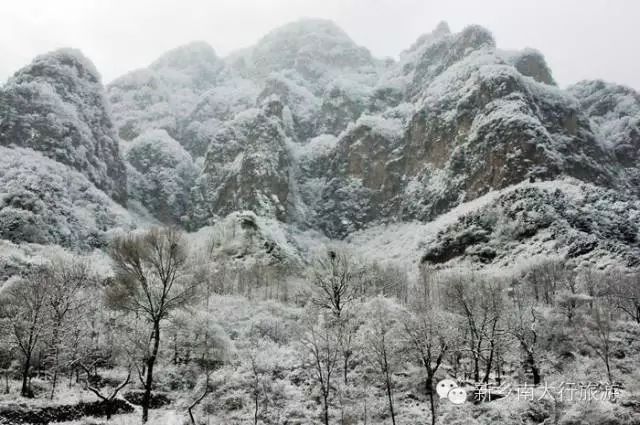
{"type": "Point", "coordinates": [308, 130]}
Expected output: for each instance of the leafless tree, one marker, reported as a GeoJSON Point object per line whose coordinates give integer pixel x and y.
{"type": "Point", "coordinates": [69, 277]}
{"type": "Point", "coordinates": [624, 291]}
{"type": "Point", "coordinates": [480, 302]}
{"type": "Point", "coordinates": [598, 333]}
{"type": "Point", "coordinates": [545, 279]}
{"type": "Point", "coordinates": [524, 326]}
{"type": "Point", "coordinates": [383, 345]}
{"type": "Point", "coordinates": [336, 279]}
{"type": "Point", "coordinates": [151, 283]}
{"type": "Point", "coordinates": [320, 343]}
{"type": "Point", "coordinates": [106, 399]}
{"type": "Point", "coordinates": [24, 312]}
{"type": "Point", "coordinates": [431, 334]}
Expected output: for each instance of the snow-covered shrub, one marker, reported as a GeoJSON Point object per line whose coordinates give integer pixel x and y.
{"type": "Point", "coordinates": [46, 202]}
{"type": "Point", "coordinates": [161, 175]}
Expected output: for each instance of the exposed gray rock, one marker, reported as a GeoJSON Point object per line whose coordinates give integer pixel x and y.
{"type": "Point", "coordinates": [247, 167]}
{"type": "Point", "coordinates": [56, 105]}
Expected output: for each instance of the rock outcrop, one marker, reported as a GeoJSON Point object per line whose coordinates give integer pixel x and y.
{"type": "Point", "coordinates": [308, 129]}
{"type": "Point", "coordinates": [56, 105]}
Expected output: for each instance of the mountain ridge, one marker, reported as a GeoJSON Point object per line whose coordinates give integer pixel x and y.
{"type": "Point", "coordinates": [308, 128]}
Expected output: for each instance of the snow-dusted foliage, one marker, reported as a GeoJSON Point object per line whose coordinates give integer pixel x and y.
{"type": "Point", "coordinates": [158, 97]}
{"type": "Point", "coordinates": [208, 119]}
{"type": "Point", "coordinates": [487, 223]}
{"type": "Point", "coordinates": [615, 113]}
{"type": "Point", "coordinates": [43, 201]}
{"type": "Point", "coordinates": [247, 239]}
{"type": "Point", "coordinates": [580, 223]}
{"type": "Point", "coordinates": [141, 100]}
{"type": "Point", "coordinates": [56, 105]}
{"type": "Point", "coordinates": [307, 128]}
{"type": "Point", "coordinates": [161, 175]}
{"type": "Point", "coordinates": [303, 107]}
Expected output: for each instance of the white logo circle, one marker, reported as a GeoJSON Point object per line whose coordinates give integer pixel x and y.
{"type": "Point", "coordinates": [445, 386]}
{"type": "Point", "coordinates": [448, 388]}
{"type": "Point", "coordinates": [457, 395]}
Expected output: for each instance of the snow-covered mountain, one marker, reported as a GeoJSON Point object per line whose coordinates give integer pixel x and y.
{"type": "Point", "coordinates": [57, 106]}
{"type": "Point", "coordinates": [314, 135]}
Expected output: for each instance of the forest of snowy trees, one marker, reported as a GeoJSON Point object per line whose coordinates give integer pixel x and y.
{"type": "Point", "coordinates": [183, 330]}
{"type": "Point", "coordinates": [301, 233]}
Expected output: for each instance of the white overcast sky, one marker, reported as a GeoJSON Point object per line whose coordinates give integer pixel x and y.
{"type": "Point", "coordinates": [581, 39]}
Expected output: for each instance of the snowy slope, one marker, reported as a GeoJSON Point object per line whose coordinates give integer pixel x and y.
{"type": "Point", "coordinates": [320, 140]}
{"type": "Point", "coordinates": [43, 201]}
{"type": "Point", "coordinates": [585, 224]}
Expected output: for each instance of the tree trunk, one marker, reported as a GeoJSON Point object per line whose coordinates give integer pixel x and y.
{"type": "Point", "coordinates": [345, 366]}
{"type": "Point", "coordinates": [535, 370]}
{"type": "Point", "coordinates": [487, 371]}
{"type": "Point", "coordinates": [390, 397]}
{"type": "Point", "coordinates": [255, 411]}
{"type": "Point", "coordinates": [26, 391]}
{"type": "Point", "coordinates": [54, 381]}
{"type": "Point", "coordinates": [606, 361]}
{"type": "Point", "coordinates": [326, 408]}
{"type": "Point", "coordinates": [108, 406]}
{"type": "Point", "coordinates": [432, 402]}
{"type": "Point", "coordinates": [476, 368]}
{"type": "Point", "coordinates": [56, 356]}
{"type": "Point", "coordinates": [365, 410]}
{"type": "Point", "coordinates": [146, 399]}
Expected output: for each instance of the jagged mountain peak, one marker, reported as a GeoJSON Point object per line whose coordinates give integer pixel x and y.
{"type": "Point", "coordinates": [314, 48]}
{"type": "Point", "coordinates": [441, 30]}
{"type": "Point", "coordinates": [58, 66]}
{"type": "Point", "coordinates": [57, 106]}
{"type": "Point", "coordinates": [531, 62]}
{"type": "Point", "coordinates": [435, 52]}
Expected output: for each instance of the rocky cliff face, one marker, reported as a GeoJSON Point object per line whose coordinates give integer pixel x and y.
{"type": "Point", "coordinates": [454, 118]}
{"type": "Point", "coordinates": [306, 128]}
{"type": "Point", "coordinates": [247, 167]}
{"type": "Point", "coordinates": [474, 123]}
{"type": "Point", "coordinates": [57, 106]}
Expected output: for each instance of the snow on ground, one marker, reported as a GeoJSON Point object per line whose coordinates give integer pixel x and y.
{"type": "Point", "coordinates": [156, 417]}
{"type": "Point", "coordinates": [402, 243]}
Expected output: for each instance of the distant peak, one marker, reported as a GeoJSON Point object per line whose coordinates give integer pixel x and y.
{"type": "Point", "coordinates": [473, 36]}
{"type": "Point", "coordinates": [441, 29]}
{"type": "Point", "coordinates": [310, 25]}
{"type": "Point", "coordinates": [477, 35]}
{"type": "Point", "coordinates": [48, 65]}
{"type": "Point", "coordinates": [303, 28]}
{"type": "Point", "coordinates": [196, 51]}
